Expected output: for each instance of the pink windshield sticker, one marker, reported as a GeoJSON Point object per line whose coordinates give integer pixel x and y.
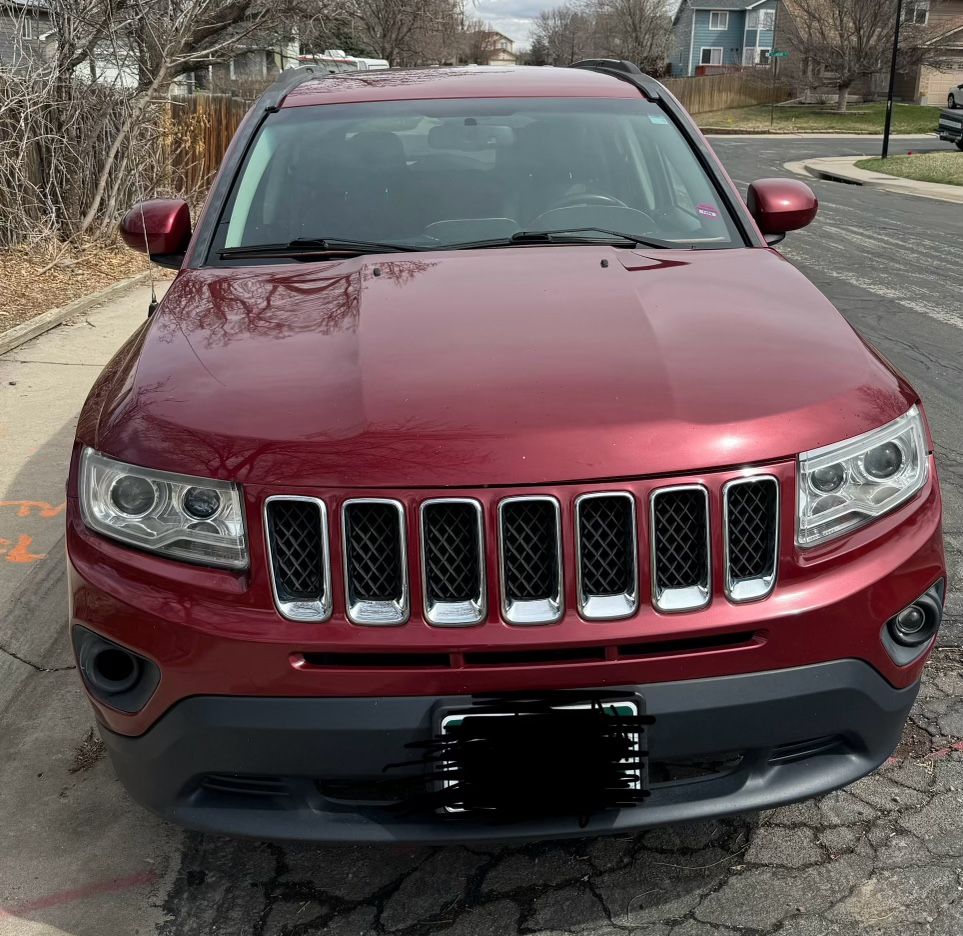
{"type": "Point", "coordinates": [707, 211]}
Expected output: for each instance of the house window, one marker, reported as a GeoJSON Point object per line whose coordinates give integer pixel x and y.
{"type": "Point", "coordinates": [761, 19]}
{"type": "Point", "coordinates": [718, 19]}
{"type": "Point", "coordinates": [28, 28]}
{"type": "Point", "coordinates": [916, 12]}
{"type": "Point", "coordinates": [762, 56]}
{"type": "Point", "coordinates": [710, 56]}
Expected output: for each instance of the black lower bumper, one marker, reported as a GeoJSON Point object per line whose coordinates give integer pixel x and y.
{"type": "Point", "coordinates": [313, 769]}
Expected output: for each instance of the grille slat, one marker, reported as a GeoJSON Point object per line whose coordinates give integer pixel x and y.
{"type": "Point", "coordinates": [607, 555]}
{"type": "Point", "coordinates": [375, 561]}
{"type": "Point", "coordinates": [298, 550]}
{"type": "Point", "coordinates": [452, 553]}
{"type": "Point", "coordinates": [752, 534]}
{"type": "Point", "coordinates": [531, 550]}
{"type": "Point", "coordinates": [680, 548]}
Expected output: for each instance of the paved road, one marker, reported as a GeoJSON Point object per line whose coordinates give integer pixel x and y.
{"type": "Point", "coordinates": [882, 858]}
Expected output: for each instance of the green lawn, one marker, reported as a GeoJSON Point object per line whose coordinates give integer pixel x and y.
{"type": "Point", "coordinates": [926, 167]}
{"type": "Point", "coordinates": [861, 118]}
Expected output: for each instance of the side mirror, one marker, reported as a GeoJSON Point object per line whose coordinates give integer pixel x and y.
{"type": "Point", "coordinates": [160, 228]}
{"type": "Point", "coordinates": [780, 205]}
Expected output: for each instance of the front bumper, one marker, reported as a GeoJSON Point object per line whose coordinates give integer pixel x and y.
{"type": "Point", "coordinates": [313, 768]}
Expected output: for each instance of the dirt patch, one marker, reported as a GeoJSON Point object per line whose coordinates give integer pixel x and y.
{"type": "Point", "coordinates": [914, 745]}
{"type": "Point", "coordinates": [28, 291]}
{"type": "Point", "coordinates": [88, 752]}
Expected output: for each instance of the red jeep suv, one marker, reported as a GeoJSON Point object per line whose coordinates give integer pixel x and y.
{"type": "Point", "coordinates": [485, 474]}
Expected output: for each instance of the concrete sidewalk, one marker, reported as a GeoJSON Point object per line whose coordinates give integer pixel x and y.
{"type": "Point", "coordinates": [75, 855]}
{"type": "Point", "coordinates": [843, 169]}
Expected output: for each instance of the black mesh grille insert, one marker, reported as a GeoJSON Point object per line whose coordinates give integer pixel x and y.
{"type": "Point", "coordinates": [530, 550]}
{"type": "Point", "coordinates": [752, 529]}
{"type": "Point", "coordinates": [297, 550]}
{"type": "Point", "coordinates": [679, 530]}
{"type": "Point", "coordinates": [452, 563]}
{"type": "Point", "coordinates": [605, 539]}
{"type": "Point", "coordinates": [373, 552]}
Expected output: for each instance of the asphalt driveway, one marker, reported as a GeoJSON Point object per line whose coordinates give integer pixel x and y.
{"type": "Point", "coordinates": [882, 857]}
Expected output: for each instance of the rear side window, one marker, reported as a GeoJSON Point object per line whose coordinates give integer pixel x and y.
{"type": "Point", "coordinates": [438, 173]}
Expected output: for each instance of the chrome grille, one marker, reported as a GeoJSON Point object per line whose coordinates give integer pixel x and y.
{"type": "Point", "coordinates": [751, 516]}
{"type": "Point", "coordinates": [607, 555]}
{"type": "Point", "coordinates": [453, 550]}
{"type": "Point", "coordinates": [297, 539]}
{"type": "Point", "coordinates": [375, 564]}
{"type": "Point", "coordinates": [680, 548]}
{"type": "Point", "coordinates": [531, 559]}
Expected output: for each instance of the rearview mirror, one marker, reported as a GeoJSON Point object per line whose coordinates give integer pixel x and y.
{"type": "Point", "coordinates": [470, 136]}
{"type": "Point", "coordinates": [780, 205]}
{"type": "Point", "coordinates": [160, 228]}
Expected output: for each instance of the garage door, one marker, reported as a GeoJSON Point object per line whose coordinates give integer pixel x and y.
{"type": "Point", "coordinates": [935, 85]}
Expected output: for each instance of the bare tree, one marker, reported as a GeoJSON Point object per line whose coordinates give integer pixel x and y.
{"type": "Point", "coordinates": [405, 32]}
{"type": "Point", "coordinates": [88, 117]}
{"type": "Point", "coordinates": [566, 32]}
{"type": "Point", "coordinates": [637, 30]}
{"type": "Point", "coordinates": [842, 41]}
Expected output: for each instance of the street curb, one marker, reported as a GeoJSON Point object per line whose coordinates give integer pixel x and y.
{"type": "Point", "coordinates": [843, 169]}
{"type": "Point", "coordinates": [19, 334]}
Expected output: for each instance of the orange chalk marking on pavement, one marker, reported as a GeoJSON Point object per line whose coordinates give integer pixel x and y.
{"type": "Point", "coordinates": [24, 507]}
{"type": "Point", "coordinates": [21, 550]}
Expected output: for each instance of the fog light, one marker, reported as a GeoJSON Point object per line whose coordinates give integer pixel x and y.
{"type": "Point", "coordinates": [916, 624]}
{"type": "Point", "coordinates": [911, 621]}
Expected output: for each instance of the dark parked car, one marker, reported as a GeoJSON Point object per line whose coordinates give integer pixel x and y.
{"type": "Point", "coordinates": [485, 474]}
{"type": "Point", "coordinates": [951, 126]}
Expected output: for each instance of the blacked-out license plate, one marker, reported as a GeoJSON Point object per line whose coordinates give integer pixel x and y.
{"type": "Point", "coordinates": [543, 757]}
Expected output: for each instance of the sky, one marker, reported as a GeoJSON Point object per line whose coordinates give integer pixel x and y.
{"type": "Point", "coordinates": [515, 18]}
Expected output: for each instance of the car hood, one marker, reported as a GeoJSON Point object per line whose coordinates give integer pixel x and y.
{"type": "Point", "coordinates": [489, 367]}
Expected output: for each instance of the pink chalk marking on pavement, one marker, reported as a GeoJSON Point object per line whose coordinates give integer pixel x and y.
{"type": "Point", "coordinates": [932, 756]}
{"type": "Point", "coordinates": [945, 752]}
{"type": "Point", "coordinates": [79, 893]}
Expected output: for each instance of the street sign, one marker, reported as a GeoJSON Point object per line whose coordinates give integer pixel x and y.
{"type": "Point", "coordinates": [775, 54]}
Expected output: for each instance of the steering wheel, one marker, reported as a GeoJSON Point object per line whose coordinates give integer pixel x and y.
{"type": "Point", "coordinates": [586, 198]}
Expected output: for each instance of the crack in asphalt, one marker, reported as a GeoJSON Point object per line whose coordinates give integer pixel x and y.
{"type": "Point", "coordinates": [39, 667]}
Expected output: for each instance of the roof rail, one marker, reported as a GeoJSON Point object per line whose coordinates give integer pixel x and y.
{"type": "Point", "coordinates": [286, 82]}
{"type": "Point", "coordinates": [624, 71]}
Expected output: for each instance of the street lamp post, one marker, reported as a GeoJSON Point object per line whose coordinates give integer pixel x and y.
{"type": "Point", "coordinates": [892, 80]}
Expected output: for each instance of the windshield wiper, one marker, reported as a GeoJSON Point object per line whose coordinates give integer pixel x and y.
{"type": "Point", "coordinates": [312, 247]}
{"type": "Point", "coordinates": [565, 236]}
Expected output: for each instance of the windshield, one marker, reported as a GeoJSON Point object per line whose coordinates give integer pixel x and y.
{"type": "Point", "coordinates": [437, 174]}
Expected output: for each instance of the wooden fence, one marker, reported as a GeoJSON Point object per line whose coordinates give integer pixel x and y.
{"type": "Point", "coordinates": [704, 94]}
{"type": "Point", "coordinates": [198, 129]}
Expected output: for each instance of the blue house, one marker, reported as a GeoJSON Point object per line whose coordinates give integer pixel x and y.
{"type": "Point", "coordinates": [710, 36]}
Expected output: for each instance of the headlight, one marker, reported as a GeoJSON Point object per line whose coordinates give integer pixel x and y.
{"type": "Point", "coordinates": [843, 486]}
{"type": "Point", "coordinates": [175, 515]}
